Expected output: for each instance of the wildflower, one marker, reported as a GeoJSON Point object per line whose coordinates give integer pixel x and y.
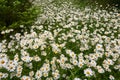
{"type": "Point", "coordinates": [31, 73]}
{"type": "Point", "coordinates": [56, 74]}
{"type": "Point", "coordinates": [93, 63]}
{"type": "Point", "coordinates": [25, 78]}
{"type": "Point", "coordinates": [80, 64]}
{"type": "Point", "coordinates": [88, 72]}
{"type": "Point", "coordinates": [36, 58]}
{"type": "Point", "coordinates": [45, 74]}
{"type": "Point", "coordinates": [38, 74]}
{"type": "Point", "coordinates": [74, 62]}
{"type": "Point", "coordinates": [3, 62]}
{"type": "Point", "coordinates": [100, 69]}
{"type": "Point", "coordinates": [99, 47]}
{"type": "Point", "coordinates": [11, 67]}
{"type": "Point", "coordinates": [77, 79]}
{"type": "Point", "coordinates": [1, 75]}
{"type": "Point", "coordinates": [43, 53]}
{"type": "Point", "coordinates": [19, 68]}
{"type": "Point", "coordinates": [5, 75]}
{"type": "Point", "coordinates": [111, 77]}
{"type": "Point", "coordinates": [26, 58]}
{"type": "Point", "coordinates": [18, 74]}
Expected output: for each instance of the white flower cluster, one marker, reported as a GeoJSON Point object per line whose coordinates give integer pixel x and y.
{"type": "Point", "coordinates": [7, 31]}
{"type": "Point", "coordinates": [65, 43]}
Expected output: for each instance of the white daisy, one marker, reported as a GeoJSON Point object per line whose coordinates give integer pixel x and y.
{"type": "Point", "coordinates": [88, 72]}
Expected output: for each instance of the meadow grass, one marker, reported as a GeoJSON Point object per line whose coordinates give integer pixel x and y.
{"type": "Point", "coordinates": [65, 43]}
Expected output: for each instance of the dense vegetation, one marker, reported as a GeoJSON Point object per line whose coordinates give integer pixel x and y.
{"type": "Point", "coordinates": [14, 13]}
{"type": "Point", "coordinates": [68, 41]}
{"type": "Point", "coordinates": [106, 4]}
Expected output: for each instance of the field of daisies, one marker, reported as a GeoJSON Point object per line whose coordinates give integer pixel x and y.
{"type": "Point", "coordinates": [65, 43]}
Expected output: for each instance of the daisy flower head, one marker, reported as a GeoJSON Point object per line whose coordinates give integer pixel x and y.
{"type": "Point", "coordinates": [38, 74]}
{"type": "Point", "coordinates": [88, 72]}
{"type": "Point", "coordinates": [3, 62]}
{"type": "Point", "coordinates": [99, 47]}
{"type": "Point", "coordinates": [25, 78]}
{"type": "Point", "coordinates": [77, 79]}
{"type": "Point", "coordinates": [111, 77]}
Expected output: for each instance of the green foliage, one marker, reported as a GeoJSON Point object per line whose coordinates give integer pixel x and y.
{"type": "Point", "coordinates": [111, 2]}
{"type": "Point", "coordinates": [14, 13]}
{"type": "Point", "coordinates": [102, 4]}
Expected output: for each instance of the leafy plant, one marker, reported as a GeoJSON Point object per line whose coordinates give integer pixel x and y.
{"type": "Point", "coordinates": [14, 13]}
